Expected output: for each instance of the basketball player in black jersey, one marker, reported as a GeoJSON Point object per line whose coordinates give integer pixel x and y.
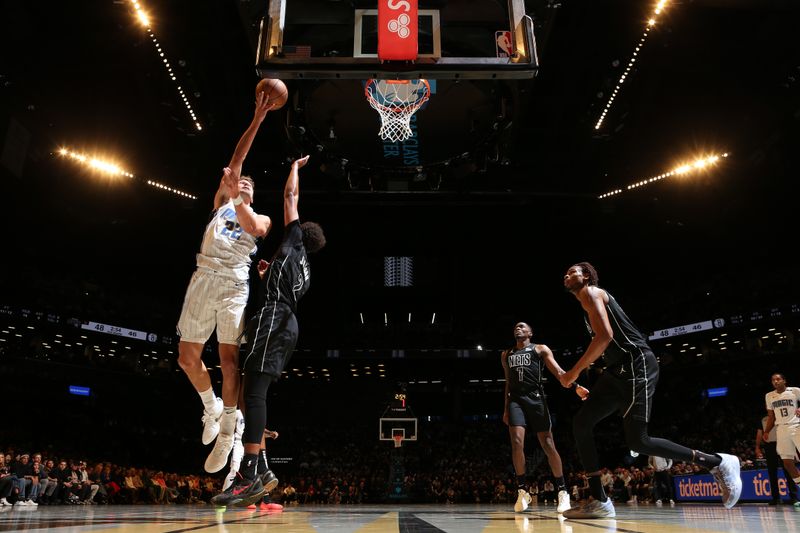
{"type": "Point", "coordinates": [272, 334]}
{"type": "Point", "coordinates": [626, 386]}
{"type": "Point", "coordinates": [526, 408]}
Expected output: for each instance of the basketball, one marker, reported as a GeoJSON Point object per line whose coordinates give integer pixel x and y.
{"type": "Point", "coordinates": [276, 91]}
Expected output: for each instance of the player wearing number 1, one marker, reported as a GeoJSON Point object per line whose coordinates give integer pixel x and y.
{"type": "Point", "coordinates": [526, 408]}
{"type": "Point", "coordinates": [783, 412]}
{"type": "Point", "coordinates": [217, 295]}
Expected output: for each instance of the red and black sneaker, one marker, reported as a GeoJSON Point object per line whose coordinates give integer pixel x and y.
{"type": "Point", "coordinates": [242, 493]}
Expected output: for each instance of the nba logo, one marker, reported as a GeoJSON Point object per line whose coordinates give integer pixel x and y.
{"type": "Point", "coordinates": [502, 40]}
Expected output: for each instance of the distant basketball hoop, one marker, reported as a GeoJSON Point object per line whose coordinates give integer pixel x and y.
{"type": "Point", "coordinates": [398, 440]}
{"type": "Point", "coordinates": [396, 101]}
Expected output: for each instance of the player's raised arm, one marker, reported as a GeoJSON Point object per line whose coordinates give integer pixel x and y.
{"type": "Point", "coordinates": [246, 141]}
{"type": "Point", "coordinates": [291, 191]}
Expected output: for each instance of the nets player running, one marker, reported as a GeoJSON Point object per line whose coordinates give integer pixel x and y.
{"type": "Point", "coordinates": [526, 408]}
{"type": "Point", "coordinates": [783, 412]}
{"type": "Point", "coordinates": [217, 295]}
{"type": "Point", "coordinates": [626, 386]}
{"type": "Point", "coordinates": [272, 333]}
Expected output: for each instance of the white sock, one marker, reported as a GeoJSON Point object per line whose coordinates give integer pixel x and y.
{"type": "Point", "coordinates": [227, 424]}
{"type": "Point", "coordinates": [209, 399]}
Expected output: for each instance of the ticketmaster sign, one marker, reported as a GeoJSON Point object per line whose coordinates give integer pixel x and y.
{"type": "Point", "coordinates": [703, 488]}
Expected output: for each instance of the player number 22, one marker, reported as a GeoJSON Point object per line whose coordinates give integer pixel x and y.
{"type": "Point", "coordinates": [232, 230]}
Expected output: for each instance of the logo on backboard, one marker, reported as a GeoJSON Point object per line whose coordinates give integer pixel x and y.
{"type": "Point", "coordinates": [400, 24]}
{"type": "Point", "coordinates": [505, 47]}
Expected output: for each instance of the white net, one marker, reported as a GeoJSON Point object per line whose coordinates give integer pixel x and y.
{"type": "Point", "coordinates": [396, 101]}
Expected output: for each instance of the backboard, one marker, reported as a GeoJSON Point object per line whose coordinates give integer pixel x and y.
{"type": "Point", "coordinates": [391, 428]}
{"type": "Point", "coordinates": [457, 39]}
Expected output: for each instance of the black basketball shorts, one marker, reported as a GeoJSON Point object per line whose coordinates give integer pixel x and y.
{"type": "Point", "coordinates": [272, 335]}
{"type": "Point", "coordinates": [529, 411]}
{"type": "Point", "coordinates": [629, 387]}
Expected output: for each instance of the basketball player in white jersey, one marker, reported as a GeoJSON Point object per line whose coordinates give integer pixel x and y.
{"type": "Point", "coordinates": [218, 292]}
{"type": "Point", "coordinates": [783, 412]}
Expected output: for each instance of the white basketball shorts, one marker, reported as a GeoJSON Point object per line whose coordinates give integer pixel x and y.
{"type": "Point", "coordinates": [788, 441]}
{"type": "Point", "coordinates": [213, 301]}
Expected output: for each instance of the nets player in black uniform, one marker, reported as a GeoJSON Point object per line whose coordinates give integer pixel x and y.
{"type": "Point", "coordinates": [626, 386]}
{"type": "Point", "coordinates": [526, 408]}
{"type": "Point", "coordinates": [272, 334]}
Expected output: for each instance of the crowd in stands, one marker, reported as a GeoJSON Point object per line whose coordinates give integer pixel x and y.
{"type": "Point", "coordinates": [31, 480]}
{"type": "Point", "coordinates": [356, 475]}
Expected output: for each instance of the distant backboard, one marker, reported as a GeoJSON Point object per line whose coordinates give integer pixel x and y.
{"type": "Point", "coordinates": [389, 428]}
{"type": "Point", "coordinates": [457, 39]}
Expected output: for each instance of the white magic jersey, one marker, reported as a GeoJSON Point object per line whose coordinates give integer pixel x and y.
{"type": "Point", "coordinates": [784, 405]}
{"type": "Point", "coordinates": [226, 247]}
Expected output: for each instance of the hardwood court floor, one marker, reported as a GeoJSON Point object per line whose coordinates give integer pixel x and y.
{"type": "Point", "coordinates": [395, 519]}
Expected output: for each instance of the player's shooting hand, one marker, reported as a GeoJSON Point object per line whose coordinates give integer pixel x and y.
{"type": "Point", "coordinates": [262, 106]}
{"type": "Point", "coordinates": [582, 392]}
{"type": "Point", "coordinates": [300, 163]}
{"type": "Point", "coordinates": [270, 434]}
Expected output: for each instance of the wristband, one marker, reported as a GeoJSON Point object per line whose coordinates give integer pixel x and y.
{"type": "Point", "coordinates": [238, 200]}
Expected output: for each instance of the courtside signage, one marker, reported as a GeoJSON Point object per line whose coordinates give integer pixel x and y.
{"type": "Point", "coordinates": [703, 488]}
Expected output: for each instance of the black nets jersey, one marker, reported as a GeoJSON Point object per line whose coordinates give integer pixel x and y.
{"type": "Point", "coordinates": [628, 341]}
{"type": "Point", "coordinates": [288, 277]}
{"type": "Point", "coordinates": [524, 370]}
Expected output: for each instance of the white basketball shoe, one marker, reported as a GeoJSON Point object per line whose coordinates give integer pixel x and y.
{"type": "Point", "coordinates": [211, 422]}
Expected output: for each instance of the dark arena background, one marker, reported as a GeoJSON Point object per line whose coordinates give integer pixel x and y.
{"type": "Point", "coordinates": [656, 140]}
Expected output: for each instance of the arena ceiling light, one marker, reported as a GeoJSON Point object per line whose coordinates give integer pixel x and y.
{"type": "Point", "coordinates": [651, 22]}
{"type": "Point", "coordinates": [698, 164]}
{"type": "Point", "coordinates": [112, 169]}
{"type": "Point", "coordinates": [144, 19]}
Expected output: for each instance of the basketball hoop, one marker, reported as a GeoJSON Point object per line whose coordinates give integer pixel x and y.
{"type": "Point", "coordinates": [398, 440]}
{"type": "Point", "coordinates": [396, 101]}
